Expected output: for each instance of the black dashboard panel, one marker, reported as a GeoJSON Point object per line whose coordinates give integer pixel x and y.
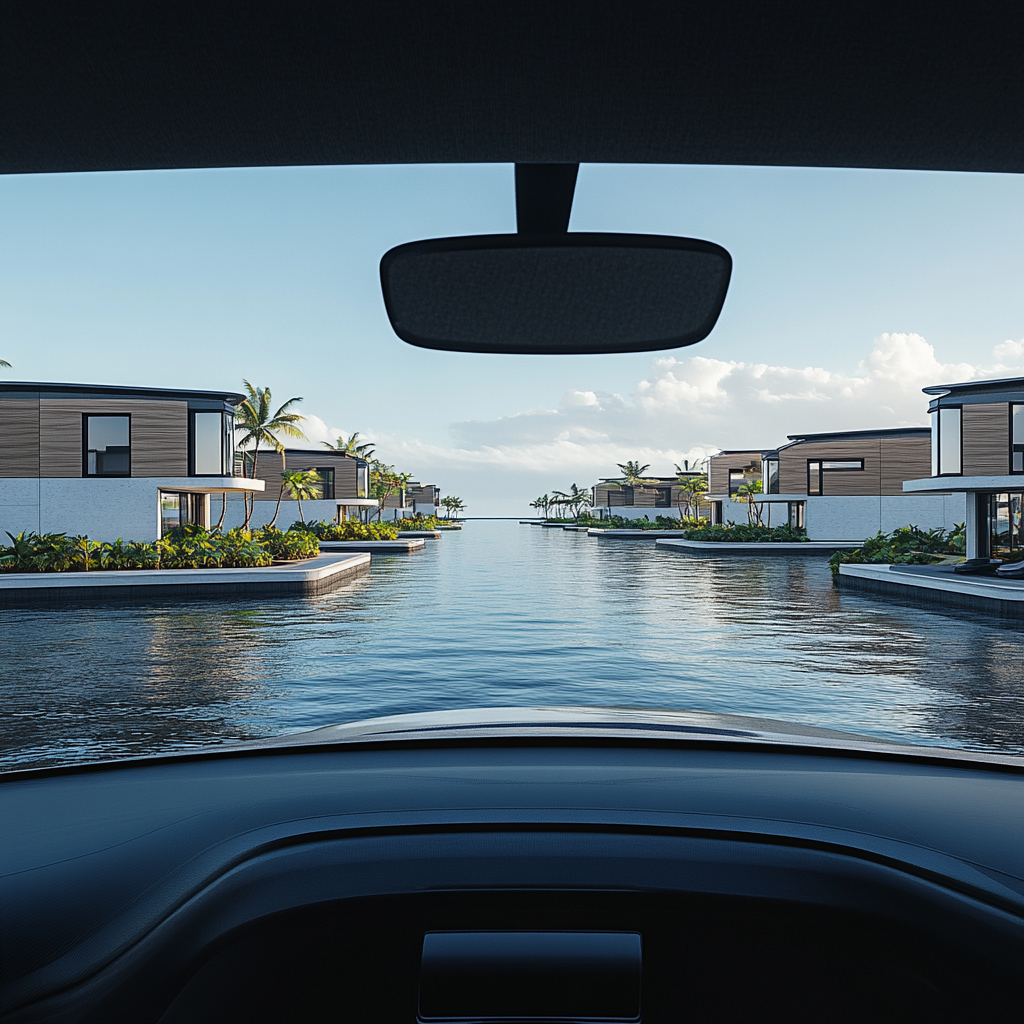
{"type": "Point", "coordinates": [128, 888]}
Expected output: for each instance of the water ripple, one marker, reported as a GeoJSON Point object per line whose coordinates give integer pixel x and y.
{"type": "Point", "coordinates": [506, 614]}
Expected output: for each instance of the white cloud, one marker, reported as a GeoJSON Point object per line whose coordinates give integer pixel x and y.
{"type": "Point", "coordinates": [685, 409]}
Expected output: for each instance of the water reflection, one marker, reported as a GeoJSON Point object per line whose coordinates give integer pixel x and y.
{"type": "Point", "coordinates": [504, 614]}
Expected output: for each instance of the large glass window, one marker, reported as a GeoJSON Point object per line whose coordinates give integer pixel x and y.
{"type": "Point", "coordinates": [739, 477]}
{"type": "Point", "coordinates": [363, 481]}
{"type": "Point", "coordinates": [170, 512]}
{"type": "Point", "coordinates": [108, 446]}
{"type": "Point", "coordinates": [1005, 539]}
{"type": "Point", "coordinates": [326, 482]}
{"type": "Point", "coordinates": [770, 483]}
{"type": "Point", "coordinates": [208, 444]}
{"type": "Point", "coordinates": [813, 476]}
{"type": "Point", "coordinates": [845, 465]}
{"type": "Point", "coordinates": [663, 497]}
{"type": "Point", "coordinates": [934, 417]}
{"type": "Point", "coordinates": [949, 446]}
{"type": "Point", "coordinates": [1017, 438]}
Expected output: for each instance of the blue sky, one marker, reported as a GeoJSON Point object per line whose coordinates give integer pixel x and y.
{"type": "Point", "coordinates": [851, 290]}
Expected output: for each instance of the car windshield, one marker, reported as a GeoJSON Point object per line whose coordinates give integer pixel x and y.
{"type": "Point", "coordinates": [235, 505]}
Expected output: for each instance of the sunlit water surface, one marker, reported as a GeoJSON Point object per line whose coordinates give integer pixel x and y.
{"type": "Point", "coordinates": [503, 614]}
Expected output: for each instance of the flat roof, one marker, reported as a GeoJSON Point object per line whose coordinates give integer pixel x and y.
{"type": "Point", "coordinates": [976, 385]}
{"type": "Point", "coordinates": [337, 452]}
{"type": "Point", "coordinates": [116, 391]}
{"type": "Point", "coordinates": [864, 435]}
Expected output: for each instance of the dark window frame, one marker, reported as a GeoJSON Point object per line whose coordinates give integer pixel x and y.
{"type": "Point", "coordinates": [939, 409]}
{"type": "Point", "coordinates": [86, 416]}
{"type": "Point", "coordinates": [821, 482]}
{"type": "Point", "coordinates": [1018, 447]}
{"type": "Point", "coordinates": [224, 470]}
{"type": "Point", "coordinates": [663, 497]}
{"type": "Point", "coordinates": [326, 473]}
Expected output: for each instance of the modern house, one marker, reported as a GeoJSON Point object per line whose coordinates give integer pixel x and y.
{"type": "Point", "coordinates": [109, 462]}
{"type": "Point", "coordinates": [848, 485]}
{"type": "Point", "coordinates": [977, 459]}
{"type": "Point", "coordinates": [424, 499]}
{"type": "Point", "coordinates": [728, 471]}
{"type": "Point", "coordinates": [344, 488]}
{"type": "Point", "coordinates": [659, 496]}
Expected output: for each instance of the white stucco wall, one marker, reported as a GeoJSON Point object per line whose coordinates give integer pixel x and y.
{"type": "Point", "coordinates": [856, 518]}
{"type": "Point", "coordinates": [19, 507]}
{"type": "Point", "coordinates": [313, 511]}
{"type": "Point", "coordinates": [101, 509]}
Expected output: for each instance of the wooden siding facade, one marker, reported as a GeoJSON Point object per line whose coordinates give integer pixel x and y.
{"type": "Point", "coordinates": [608, 495]}
{"type": "Point", "coordinates": [719, 467]}
{"type": "Point", "coordinates": [268, 469]}
{"type": "Point", "coordinates": [986, 439]}
{"type": "Point", "coordinates": [888, 461]}
{"type": "Point", "coordinates": [51, 446]}
{"type": "Point", "coordinates": [19, 438]}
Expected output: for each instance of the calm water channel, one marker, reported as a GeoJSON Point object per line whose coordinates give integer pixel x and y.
{"type": "Point", "coordinates": [505, 614]}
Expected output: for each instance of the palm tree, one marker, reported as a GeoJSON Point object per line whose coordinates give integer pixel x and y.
{"type": "Point", "coordinates": [745, 492]}
{"type": "Point", "coordinates": [352, 446]}
{"type": "Point", "coordinates": [5, 364]}
{"type": "Point", "coordinates": [692, 491]}
{"type": "Point", "coordinates": [542, 504]}
{"type": "Point", "coordinates": [452, 504]}
{"type": "Point", "coordinates": [574, 499]}
{"type": "Point", "coordinates": [301, 483]}
{"type": "Point", "coordinates": [384, 481]}
{"type": "Point", "coordinates": [633, 473]}
{"type": "Point", "coordinates": [262, 428]}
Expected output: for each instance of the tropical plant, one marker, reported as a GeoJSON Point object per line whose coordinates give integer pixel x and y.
{"type": "Point", "coordinates": [293, 544]}
{"type": "Point", "coordinates": [746, 492]}
{"type": "Point", "coordinates": [575, 499]}
{"type": "Point", "coordinates": [352, 446]}
{"type": "Point", "coordinates": [349, 530]}
{"type": "Point", "coordinates": [261, 427]}
{"type": "Point", "coordinates": [692, 492]}
{"type": "Point", "coordinates": [452, 504]}
{"type": "Point", "coordinates": [6, 365]}
{"type": "Point", "coordinates": [542, 504]}
{"type": "Point", "coordinates": [302, 484]}
{"type": "Point", "coordinates": [633, 473]}
{"type": "Point", "coordinates": [384, 481]}
{"type": "Point", "coordinates": [744, 534]}
{"type": "Point", "coordinates": [907, 545]}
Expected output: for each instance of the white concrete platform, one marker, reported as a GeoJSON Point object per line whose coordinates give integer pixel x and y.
{"type": "Point", "coordinates": [936, 586]}
{"type": "Point", "coordinates": [728, 547]}
{"type": "Point", "coordinates": [380, 547]}
{"type": "Point", "coordinates": [424, 534]}
{"type": "Point", "coordinates": [313, 576]}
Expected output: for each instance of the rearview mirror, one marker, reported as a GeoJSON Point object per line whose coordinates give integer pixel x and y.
{"type": "Point", "coordinates": [555, 293]}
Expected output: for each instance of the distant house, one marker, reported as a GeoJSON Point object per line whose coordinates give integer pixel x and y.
{"type": "Point", "coordinates": [109, 462]}
{"type": "Point", "coordinates": [424, 499]}
{"type": "Point", "coordinates": [344, 487]}
{"type": "Point", "coordinates": [848, 485]}
{"type": "Point", "coordinates": [728, 471]}
{"type": "Point", "coordinates": [976, 457]}
{"type": "Point", "coordinates": [612, 496]}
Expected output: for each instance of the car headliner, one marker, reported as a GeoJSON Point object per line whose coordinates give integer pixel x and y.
{"type": "Point", "coordinates": [119, 85]}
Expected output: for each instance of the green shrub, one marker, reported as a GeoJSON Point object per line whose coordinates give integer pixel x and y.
{"type": "Point", "coordinates": [741, 533]}
{"type": "Point", "coordinates": [350, 530]}
{"type": "Point", "coordinates": [294, 543]}
{"type": "Point", "coordinates": [906, 546]}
